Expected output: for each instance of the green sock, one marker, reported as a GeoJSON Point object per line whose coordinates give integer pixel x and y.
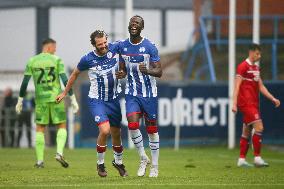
{"type": "Point", "coordinates": [39, 140]}
{"type": "Point", "coordinates": [61, 140]}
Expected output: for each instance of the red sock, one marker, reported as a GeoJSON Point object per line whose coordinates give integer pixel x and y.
{"type": "Point", "coordinates": [256, 141]}
{"type": "Point", "coordinates": [244, 146]}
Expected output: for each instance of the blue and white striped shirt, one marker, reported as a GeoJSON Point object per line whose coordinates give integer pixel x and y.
{"type": "Point", "coordinates": [101, 71]}
{"type": "Point", "coordinates": [145, 52]}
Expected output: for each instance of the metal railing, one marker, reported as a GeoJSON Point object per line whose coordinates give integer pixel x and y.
{"type": "Point", "coordinates": [205, 42]}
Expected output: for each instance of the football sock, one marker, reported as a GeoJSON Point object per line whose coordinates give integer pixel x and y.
{"type": "Point", "coordinates": [138, 142]}
{"type": "Point", "coordinates": [244, 146]}
{"type": "Point", "coordinates": [117, 154]}
{"type": "Point", "coordinates": [256, 140]}
{"type": "Point", "coordinates": [39, 146]}
{"type": "Point", "coordinates": [61, 140]}
{"type": "Point", "coordinates": [101, 154]}
{"type": "Point", "coordinates": [154, 147]}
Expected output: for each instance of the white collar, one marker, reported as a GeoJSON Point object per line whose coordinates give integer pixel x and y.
{"type": "Point", "coordinates": [97, 54]}
{"type": "Point", "coordinates": [249, 62]}
{"type": "Point", "coordinates": [136, 43]}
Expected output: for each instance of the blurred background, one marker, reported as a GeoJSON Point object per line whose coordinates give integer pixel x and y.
{"type": "Point", "coordinates": [192, 38]}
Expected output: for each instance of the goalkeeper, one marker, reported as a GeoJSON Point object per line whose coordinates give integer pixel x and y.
{"type": "Point", "coordinates": [46, 69]}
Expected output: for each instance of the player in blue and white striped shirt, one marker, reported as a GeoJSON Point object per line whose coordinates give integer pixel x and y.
{"type": "Point", "coordinates": [141, 61]}
{"type": "Point", "coordinates": [102, 65]}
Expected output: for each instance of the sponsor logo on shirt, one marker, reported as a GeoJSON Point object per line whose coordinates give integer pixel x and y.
{"type": "Point", "coordinates": [255, 74]}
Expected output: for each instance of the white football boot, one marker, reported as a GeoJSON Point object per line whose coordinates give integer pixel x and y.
{"type": "Point", "coordinates": [243, 163]}
{"type": "Point", "coordinates": [142, 167]}
{"type": "Point", "coordinates": [259, 162]}
{"type": "Point", "coordinates": [154, 172]}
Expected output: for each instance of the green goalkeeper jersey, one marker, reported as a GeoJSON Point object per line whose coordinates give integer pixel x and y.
{"type": "Point", "coordinates": [45, 69]}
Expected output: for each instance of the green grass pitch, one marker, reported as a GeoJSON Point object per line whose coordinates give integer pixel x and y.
{"type": "Point", "coordinates": [191, 167]}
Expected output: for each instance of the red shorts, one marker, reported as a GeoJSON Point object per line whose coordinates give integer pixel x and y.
{"type": "Point", "coordinates": [251, 114]}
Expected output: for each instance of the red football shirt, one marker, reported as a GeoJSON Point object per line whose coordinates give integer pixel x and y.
{"type": "Point", "coordinates": [249, 89]}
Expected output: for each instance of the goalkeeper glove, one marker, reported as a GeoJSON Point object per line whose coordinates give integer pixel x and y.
{"type": "Point", "coordinates": [19, 105]}
{"type": "Point", "coordinates": [74, 104]}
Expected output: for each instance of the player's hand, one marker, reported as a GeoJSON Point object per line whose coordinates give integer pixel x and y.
{"type": "Point", "coordinates": [19, 105]}
{"type": "Point", "coordinates": [60, 97]}
{"type": "Point", "coordinates": [74, 104]}
{"type": "Point", "coordinates": [120, 74]}
{"type": "Point", "coordinates": [143, 69]}
{"type": "Point", "coordinates": [276, 102]}
{"type": "Point", "coordinates": [234, 108]}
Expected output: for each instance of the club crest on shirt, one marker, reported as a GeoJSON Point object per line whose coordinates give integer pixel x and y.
{"type": "Point", "coordinates": [142, 49]}
{"type": "Point", "coordinates": [109, 54]}
{"type": "Point", "coordinates": [97, 118]}
{"type": "Point", "coordinates": [124, 49]}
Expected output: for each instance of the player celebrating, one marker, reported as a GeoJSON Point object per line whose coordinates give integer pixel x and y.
{"type": "Point", "coordinates": [142, 63]}
{"type": "Point", "coordinates": [46, 69]}
{"type": "Point", "coordinates": [248, 84]}
{"type": "Point", "coordinates": [102, 64]}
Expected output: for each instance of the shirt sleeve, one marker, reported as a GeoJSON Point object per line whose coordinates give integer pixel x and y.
{"type": "Point", "coordinates": [241, 70]}
{"type": "Point", "coordinates": [114, 46]}
{"type": "Point", "coordinates": [83, 64]}
{"type": "Point", "coordinates": [154, 55]}
{"type": "Point", "coordinates": [28, 69]}
{"type": "Point", "coordinates": [119, 51]}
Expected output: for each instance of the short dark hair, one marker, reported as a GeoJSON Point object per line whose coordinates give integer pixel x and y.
{"type": "Point", "coordinates": [254, 47]}
{"type": "Point", "coordinates": [138, 16]}
{"type": "Point", "coordinates": [47, 41]}
{"type": "Point", "coordinates": [97, 34]}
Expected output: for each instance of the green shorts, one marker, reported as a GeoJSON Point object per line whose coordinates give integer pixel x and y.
{"type": "Point", "coordinates": [50, 112]}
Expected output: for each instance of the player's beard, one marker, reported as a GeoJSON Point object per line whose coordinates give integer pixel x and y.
{"type": "Point", "coordinates": [102, 51]}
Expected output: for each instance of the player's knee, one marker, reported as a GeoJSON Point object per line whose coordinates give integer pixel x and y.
{"type": "Point", "coordinates": [133, 125]}
{"type": "Point", "coordinates": [246, 133]}
{"type": "Point", "coordinates": [62, 126]}
{"type": "Point", "coordinates": [259, 129]}
{"type": "Point", "coordinates": [40, 128]}
{"type": "Point", "coordinates": [152, 129]}
{"type": "Point", "coordinates": [104, 132]}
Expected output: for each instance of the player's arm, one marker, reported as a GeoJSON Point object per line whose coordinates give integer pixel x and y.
{"type": "Point", "coordinates": [267, 94]}
{"type": "Point", "coordinates": [64, 79]}
{"type": "Point", "coordinates": [237, 84]}
{"type": "Point", "coordinates": [24, 86]}
{"type": "Point", "coordinates": [22, 93]}
{"type": "Point", "coordinates": [122, 71]}
{"type": "Point", "coordinates": [155, 69]}
{"type": "Point", "coordinates": [69, 84]}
